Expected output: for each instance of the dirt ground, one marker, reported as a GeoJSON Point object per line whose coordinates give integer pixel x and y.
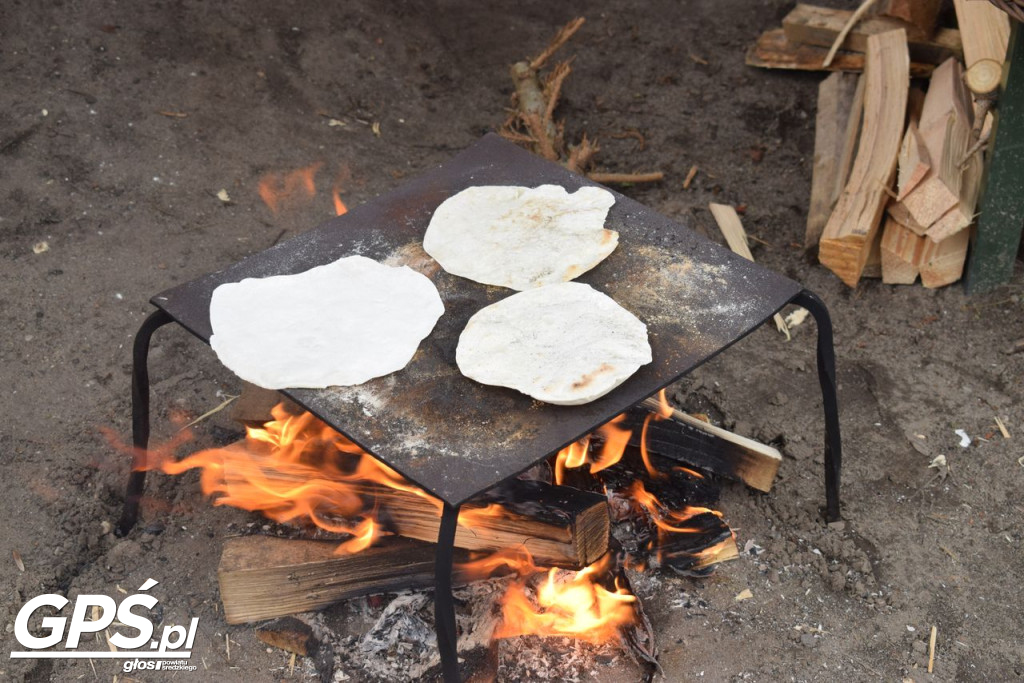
{"type": "Point", "coordinates": [119, 124]}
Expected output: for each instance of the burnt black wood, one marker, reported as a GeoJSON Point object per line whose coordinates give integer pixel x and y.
{"type": "Point", "coordinates": [457, 438]}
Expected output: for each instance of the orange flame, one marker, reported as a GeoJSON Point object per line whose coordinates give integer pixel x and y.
{"type": "Point", "coordinates": [663, 517]}
{"type": "Point", "coordinates": [281, 189]}
{"type": "Point", "coordinates": [577, 454]}
{"type": "Point", "coordinates": [294, 468]}
{"type": "Point", "coordinates": [572, 456]}
{"type": "Point", "coordinates": [665, 410]}
{"type": "Point", "coordinates": [567, 603]}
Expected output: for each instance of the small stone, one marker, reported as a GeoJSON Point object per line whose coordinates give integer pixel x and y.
{"type": "Point", "coordinates": [920, 647]}
{"type": "Point", "coordinates": [289, 634]}
{"type": "Point", "coordinates": [837, 526]}
{"type": "Point", "coordinates": [106, 527]}
{"type": "Point", "coordinates": [808, 640]}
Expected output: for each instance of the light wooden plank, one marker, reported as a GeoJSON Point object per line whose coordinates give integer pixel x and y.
{"type": "Point", "coordinates": [847, 240]}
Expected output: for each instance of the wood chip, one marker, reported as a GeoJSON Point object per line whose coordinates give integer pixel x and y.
{"type": "Point", "coordinates": [40, 247]}
{"type": "Point", "coordinates": [744, 594]}
{"type": "Point", "coordinates": [690, 175]}
{"type": "Point", "coordinates": [174, 114]}
{"type": "Point", "coordinates": [223, 196]}
{"type": "Point", "coordinates": [931, 648]}
{"type": "Point", "coordinates": [729, 223]}
{"type": "Point", "coordinates": [1002, 427]}
{"type": "Point", "coordinates": [17, 560]}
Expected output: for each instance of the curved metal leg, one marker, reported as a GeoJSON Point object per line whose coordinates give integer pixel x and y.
{"type": "Point", "coordinates": [444, 602]}
{"type": "Point", "coordinates": [140, 418]}
{"type": "Point", "coordinates": [827, 378]}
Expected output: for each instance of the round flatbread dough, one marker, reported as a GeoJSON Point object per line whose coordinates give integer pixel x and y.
{"type": "Point", "coordinates": [565, 344]}
{"type": "Point", "coordinates": [520, 237]}
{"type": "Point", "coordinates": [339, 324]}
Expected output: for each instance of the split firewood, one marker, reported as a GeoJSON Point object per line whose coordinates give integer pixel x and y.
{"type": "Point", "coordinates": [873, 266]}
{"type": "Point", "coordinates": [984, 30]}
{"type": "Point", "coordinates": [820, 26]}
{"type": "Point", "coordinates": [840, 38]}
{"type": "Point", "coordinates": [914, 161]}
{"type": "Point", "coordinates": [945, 129]}
{"type": "Point", "coordinates": [901, 253]}
{"type": "Point", "coordinates": [837, 124]}
{"type": "Point", "coordinates": [848, 237]}
{"type": "Point", "coordinates": [919, 16]}
{"type": "Point", "coordinates": [687, 439]}
{"type": "Point", "coordinates": [262, 577]}
{"type": "Point", "coordinates": [533, 123]}
{"type": "Point", "coordinates": [943, 262]}
{"type": "Point", "coordinates": [729, 223]}
{"type": "Point", "coordinates": [773, 51]}
{"type": "Point", "coordinates": [559, 526]}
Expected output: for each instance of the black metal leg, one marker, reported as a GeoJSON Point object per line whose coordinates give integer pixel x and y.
{"type": "Point", "coordinates": [140, 418]}
{"type": "Point", "coordinates": [444, 602]}
{"type": "Point", "coordinates": [827, 378]}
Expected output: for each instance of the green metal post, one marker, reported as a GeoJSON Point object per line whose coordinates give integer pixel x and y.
{"type": "Point", "coordinates": [997, 237]}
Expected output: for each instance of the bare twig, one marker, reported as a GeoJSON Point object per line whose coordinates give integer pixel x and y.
{"type": "Point", "coordinates": [651, 177]}
{"type": "Point", "coordinates": [563, 35]}
{"type": "Point", "coordinates": [553, 88]}
{"type": "Point", "coordinates": [853, 20]}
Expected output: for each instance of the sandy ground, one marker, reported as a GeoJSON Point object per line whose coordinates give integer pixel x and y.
{"type": "Point", "coordinates": [120, 122]}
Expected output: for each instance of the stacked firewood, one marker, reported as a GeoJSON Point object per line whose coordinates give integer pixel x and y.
{"type": "Point", "coordinates": [897, 170]}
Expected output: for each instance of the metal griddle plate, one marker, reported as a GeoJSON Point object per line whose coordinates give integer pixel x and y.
{"type": "Point", "coordinates": [451, 435]}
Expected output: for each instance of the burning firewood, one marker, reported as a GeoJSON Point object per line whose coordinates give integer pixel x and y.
{"type": "Point", "coordinates": [262, 577]}
{"type": "Point", "coordinates": [532, 124]}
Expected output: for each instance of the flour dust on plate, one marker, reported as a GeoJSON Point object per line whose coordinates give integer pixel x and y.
{"type": "Point", "coordinates": [521, 237]}
{"type": "Point", "coordinates": [565, 344]}
{"type": "Point", "coordinates": [339, 324]}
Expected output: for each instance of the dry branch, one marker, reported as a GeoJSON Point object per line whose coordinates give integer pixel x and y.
{"type": "Point", "coordinates": [533, 123]}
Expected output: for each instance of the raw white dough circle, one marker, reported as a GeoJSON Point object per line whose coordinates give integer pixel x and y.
{"type": "Point", "coordinates": [339, 324]}
{"type": "Point", "coordinates": [520, 237]}
{"type": "Point", "coordinates": [565, 344]}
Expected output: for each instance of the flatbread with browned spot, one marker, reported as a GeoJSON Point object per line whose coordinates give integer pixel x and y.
{"type": "Point", "coordinates": [565, 344]}
{"type": "Point", "coordinates": [521, 237]}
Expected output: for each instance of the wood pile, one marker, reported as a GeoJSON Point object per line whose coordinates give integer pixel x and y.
{"type": "Point", "coordinates": [897, 169]}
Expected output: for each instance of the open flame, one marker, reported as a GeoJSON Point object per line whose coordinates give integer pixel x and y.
{"type": "Point", "coordinates": [295, 468]}
{"type": "Point", "coordinates": [557, 602]}
{"type": "Point", "coordinates": [567, 603]}
{"type": "Point", "coordinates": [290, 189]}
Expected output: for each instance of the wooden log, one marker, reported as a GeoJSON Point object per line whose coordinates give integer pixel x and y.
{"type": "Point", "coordinates": [820, 26]}
{"type": "Point", "coordinates": [773, 51]}
{"type": "Point", "coordinates": [943, 262]}
{"type": "Point", "coordinates": [998, 234]}
{"type": "Point", "coordinates": [847, 239]}
{"type": "Point", "coordinates": [836, 125]}
{"type": "Point", "coordinates": [901, 254]}
{"type": "Point", "coordinates": [732, 228]}
{"type": "Point", "coordinates": [984, 31]}
{"type": "Point", "coordinates": [262, 577]}
{"type": "Point", "coordinates": [922, 15]}
{"type": "Point", "coordinates": [559, 525]}
{"type": "Point", "coordinates": [716, 450]}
